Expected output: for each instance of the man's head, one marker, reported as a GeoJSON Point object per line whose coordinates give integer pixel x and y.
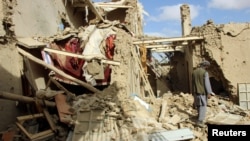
{"type": "Point", "coordinates": [205, 64]}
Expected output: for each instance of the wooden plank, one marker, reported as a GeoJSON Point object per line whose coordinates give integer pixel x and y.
{"type": "Point", "coordinates": [169, 45]}
{"type": "Point", "coordinates": [30, 43]}
{"type": "Point", "coordinates": [43, 134]}
{"type": "Point", "coordinates": [112, 5]}
{"type": "Point", "coordinates": [85, 57]}
{"type": "Point", "coordinates": [26, 117]}
{"type": "Point", "coordinates": [168, 40]}
{"type": "Point", "coordinates": [116, 63]}
{"type": "Point", "coordinates": [104, 5]}
{"type": "Point", "coordinates": [177, 48]}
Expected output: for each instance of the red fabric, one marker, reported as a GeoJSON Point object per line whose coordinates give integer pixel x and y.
{"type": "Point", "coordinates": [70, 65]}
{"type": "Point", "coordinates": [110, 46]}
{"type": "Point", "coordinates": [73, 66]}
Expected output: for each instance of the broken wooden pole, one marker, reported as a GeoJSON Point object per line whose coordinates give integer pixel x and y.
{"type": "Point", "coordinates": [27, 117]}
{"type": "Point", "coordinates": [26, 99]}
{"type": "Point", "coordinates": [84, 57]}
{"type": "Point", "coordinates": [58, 71]}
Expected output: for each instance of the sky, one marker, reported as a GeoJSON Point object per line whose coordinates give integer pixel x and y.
{"type": "Point", "coordinates": [162, 17]}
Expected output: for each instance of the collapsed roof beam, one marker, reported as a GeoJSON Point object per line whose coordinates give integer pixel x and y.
{"type": "Point", "coordinates": [104, 5]}
{"type": "Point", "coordinates": [112, 5]}
{"type": "Point", "coordinates": [166, 45]}
{"type": "Point", "coordinates": [168, 40]}
{"type": "Point", "coordinates": [168, 49]}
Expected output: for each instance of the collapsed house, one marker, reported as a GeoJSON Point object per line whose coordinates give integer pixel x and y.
{"type": "Point", "coordinates": [84, 72]}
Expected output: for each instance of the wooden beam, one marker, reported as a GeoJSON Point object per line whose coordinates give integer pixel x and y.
{"type": "Point", "coordinates": [85, 57]}
{"type": "Point", "coordinates": [159, 46]}
{"type": "Point", "coordinates": [170, 45]}
{"type": "Point", "coordinates": [109, 5]}
{"type": "Point", "coordinates": [178, 48]}
{"type": "Point", "coordinates": [168, 40]}
{"type": "Point", "coordinates": [116, 63]}
{"type": "Point", "coordinates": [165, 48]}
{"type": "Point", "coordinates": [26, 99]}
{"type": "Point", "coordinates": [112, 5]}
{"type": "Point", "coordinates": [27, 117]}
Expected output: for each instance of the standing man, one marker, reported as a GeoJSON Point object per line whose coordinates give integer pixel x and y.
{"type": "Point", "coordinates": [201, 90]}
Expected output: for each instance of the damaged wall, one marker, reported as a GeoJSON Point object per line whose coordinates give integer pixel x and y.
{"type": "Point", "coordinates": [27, 19]}
{"type": "Point", "coordinates": [2, 32]}
{"type": "Point", "coordinates": [42, 18]}
{"type": "Point", "coordinates": [10, 69]}
{"type": "Point", "coordinates": [226, 46]}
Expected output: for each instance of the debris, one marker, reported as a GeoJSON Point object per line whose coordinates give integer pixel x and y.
{"type": "Point", "coordinates": [173, 135]}
{"type": "Point", "coordinates": [33, 136]}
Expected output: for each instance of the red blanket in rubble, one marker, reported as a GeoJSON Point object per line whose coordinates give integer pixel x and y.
{"type": "Point", "coordinates": [72, 65]}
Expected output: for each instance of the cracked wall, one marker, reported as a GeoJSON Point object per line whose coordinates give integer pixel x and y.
{"type": "Point", "coordinates": [226, 46]}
